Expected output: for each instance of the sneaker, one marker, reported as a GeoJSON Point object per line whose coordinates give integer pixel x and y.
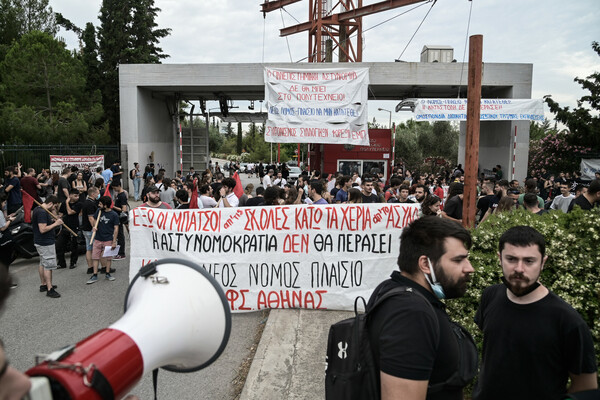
{"type": "Point", "coordinates": [75, 266]}
{"type": "Point", "coordinates": [109, 277]}
{"type": "Point", "coordinates": [111, 270]}
{"type": "Point", "coordinates": [119, 257]}
{"type": "Point", "coordinates": [93, 279]}
{"type": "Point", "coordinates": [14, 286]}
{"type": "Point", "coordinates": [90, 271]}
{"type": "Point", "coordinates": [52, 293]}
{"type": "Point", "coordinates": [44, 288]}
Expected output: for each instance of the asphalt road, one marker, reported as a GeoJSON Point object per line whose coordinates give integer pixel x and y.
{"type": "Point", "coordinates": [32, 324]}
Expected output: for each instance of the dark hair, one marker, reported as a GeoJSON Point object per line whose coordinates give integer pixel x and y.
{"type": "Point", "coordinates": [317, 186]}
{"type": "Point", "coordinates": [260, 190]}
{"type": "Point", "coordinates": [182, 195]}
{"type": "Point", "coordinates": [530, 200]}
{"type": "Point", "coordinates": [342, 180]}
{"type": "Point", "coordinates": [403, 187]}
{"type": "Point", "coordinates": [354, 195]}
{"type": "Point", "coordinates": [594, 187]}
{"type": "Point", "coordinates": [106, 201]}
{"type": "Point", "coordinates": [51, 199]}
{"type": "Point", "coordinates": [271, 195]}
{"type": "Point", "coordinates": [530, 185]}
{"type": "Point", "coordinates": [427, 203]}
{"type": "Point", "coordinates": [229, 182]}
{"type": "Point", "coordinates": [426, 237]}
{"type": "Point", "coordinates": [523, 236]}
{"type": "Point", "coordinates": [115, 184]}
{"type": "Point", "coordinates": [73, 191]}
{"type": "Point", "coordinates": [455, 188]}
{"type": "Point", "coordinates": [203, 189]}
{"type": "Point", "coordinates": [395, 181]}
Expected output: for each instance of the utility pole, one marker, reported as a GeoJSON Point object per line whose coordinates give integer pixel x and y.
{"type": "Point", "coordinates": [473, 125]}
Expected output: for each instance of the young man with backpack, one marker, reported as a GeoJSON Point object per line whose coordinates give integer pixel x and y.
{"type": "Point", "coordinates": [406, 346]}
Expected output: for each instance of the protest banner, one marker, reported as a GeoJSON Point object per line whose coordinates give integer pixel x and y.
{"type": "Point", "coordinates": [589, 167]}
{"type": "Point", "coordinates": [299, 256]}
{"type": "Point", "coordinates": [58, 163]}
{"type": "Point", "coordinates": [317, 106]}
{"type": "Point", "coordinates": [491, 110]}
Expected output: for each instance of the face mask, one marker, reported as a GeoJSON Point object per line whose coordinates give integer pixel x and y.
{"type": "Point", "coordinates": [98, 197]}
{"type": "Point", "coordinates": [435, 285]}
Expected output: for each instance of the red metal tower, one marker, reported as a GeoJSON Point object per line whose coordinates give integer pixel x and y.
{"type": "Point", "coordinates": [336, 27]}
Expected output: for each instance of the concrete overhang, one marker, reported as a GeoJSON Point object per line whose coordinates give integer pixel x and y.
{"type": "Point", "coordinates": [388, 81]}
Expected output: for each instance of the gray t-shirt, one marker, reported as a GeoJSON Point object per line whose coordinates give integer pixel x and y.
{"type": "Point", "coordinates": [167, 196]}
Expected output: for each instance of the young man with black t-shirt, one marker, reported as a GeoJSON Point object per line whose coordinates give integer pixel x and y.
{"type": "Point", "coordinates": [69, 212]}
{"type": "Point", "coordinates": [411, 335]}
{"type": "Point", "coordinates": [88, 221]}
{"type": "Point", "coordinates": [106, 236]}
{"type": "Point", "coordinates": [121, 205]}
{"type": "Point", "coordinates": [533, 341]}
{"type": "Point", "coordinates": [589, 199]}
{"type": "Point", "coordinates": [367, 192]}
{"type": "Point", "coordinates": [43, 226]}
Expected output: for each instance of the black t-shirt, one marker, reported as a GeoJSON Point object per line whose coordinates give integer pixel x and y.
{"type": "Point", "coordinates": [453, 207]}
{"type": "Point", "coordinates": [183, 206]}
{"type": "Point", "coordinates": [14, 196]}
{"type": "Point", "coordinates": [89, 208]}
{"type": "Point", "coordinates": [106, 225]}
{"type": "Point", "coordinates": [372, 198]}
{"type": "Point", "coordinates": [116, 169]}
{"type": "Point", "coordinates": [40, 216]}
{"type": "Point", "coordinates": [582, 202]}
{"type": "Point", "coordinates": [529, 349]}
{"type": "Point", "coordinates": [255, 201]}
{"type": "Point", "coordinates": [409, 341]}
{"type": "Point", "coordinates": [63, 183]}
{"type": "Point", "coordinates": [72, 221]}
{"type": "Point", "coordinates": [121, 200]}
{"type": "Point", "coordinates": [485, 202]}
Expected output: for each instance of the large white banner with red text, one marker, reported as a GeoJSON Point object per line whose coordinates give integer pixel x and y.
{"type": "Point", "coordinates": [490, 110]}
{"type": "Point", "coordinates": [317, 105]}
{"type": "Point", "coordinates": [316, 257]}
{"type": "Point", "coordinates": [58, 163]}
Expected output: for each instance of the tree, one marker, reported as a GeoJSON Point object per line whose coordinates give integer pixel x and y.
{"type": "Point", "coordinates": [583, 121]}
{"type": "Point", "coordinates": [555, 153]}
{"type": "Point", "coordinates": [89, 58]}
{"type": "Point", "coordinates": [38, 16]}
{"type": "Point", "coordinates": [45, 102]}
{"type": "Point", "coordinates": [127, 34]}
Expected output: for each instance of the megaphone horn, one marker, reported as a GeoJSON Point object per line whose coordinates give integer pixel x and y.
{"type": "Point", "coordinates": [176, 317]}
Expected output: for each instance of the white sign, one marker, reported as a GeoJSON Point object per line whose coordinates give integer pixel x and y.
{"type": "Point", "coordinates": [491, 110]}
{"type": "Point", "coordinates": [589, 167]}
{"type": "Point", "coordinates": [317, 106]}
{"type": "Point", "coordinates": [299, 256]}
{"type": "Point", "coordinates": [58, 163]}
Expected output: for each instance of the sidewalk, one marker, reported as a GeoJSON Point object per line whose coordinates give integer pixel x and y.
{"type": "Point", "coordinates": [290, 359]}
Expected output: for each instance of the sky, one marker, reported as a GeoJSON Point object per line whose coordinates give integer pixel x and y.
{"type": "Point", "coordinates": [553, 35]}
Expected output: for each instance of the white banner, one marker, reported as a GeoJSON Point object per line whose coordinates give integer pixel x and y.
{"type": "Point", "coordinates": [58, 163]}
{"type": "Point", "coordinates": [316, 257]}
{"type": "Point", "coordinates": [317, 106]}
{"type": "Point", "coordinates": [589, 167]}
{"type": "Point", "coordinates": [491, 110]}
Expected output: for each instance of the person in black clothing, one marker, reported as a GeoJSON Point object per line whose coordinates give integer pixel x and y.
{"type": "Point", "coordinates": [69, 212]}
{"type": "Point", "coordinates": [121, 206]}
{"type": "Point", "coordinates": [411, 335]}
{"type": "Point", "coordinates": [88, 211]}
{"type": "Point", "coordinates": [183, 198]}
{"type": "Point", "coordinates": [367, 191]}
{"type": "Point", "coordinates": [533, 341]}
{"type": "Point", "coordinates": [588, 200]}
{"type": "Point", "coordinates": [454, 206]}
{"type": "Point", "coordinates": [257, 200]}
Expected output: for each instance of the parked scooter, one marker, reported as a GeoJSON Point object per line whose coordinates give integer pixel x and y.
{"type": "Point", "coordinates": [22, 237]}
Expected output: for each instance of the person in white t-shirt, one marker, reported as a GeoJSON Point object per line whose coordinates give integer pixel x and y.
{"type": "Point", "coordinates": [279, 181]}
{"type": "Point", "coordinates": [206, 197]}
{"type": "Point", "coordinates": [228, 198]}
{"type": "Point", "coordinates": [267, 179]}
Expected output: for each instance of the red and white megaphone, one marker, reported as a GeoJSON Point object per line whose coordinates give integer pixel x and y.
{"type": "Point", "coordinates": [176, 318]}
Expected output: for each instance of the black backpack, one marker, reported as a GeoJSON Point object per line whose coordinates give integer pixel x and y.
{"type": "Point", "coordinates": [351, 373]}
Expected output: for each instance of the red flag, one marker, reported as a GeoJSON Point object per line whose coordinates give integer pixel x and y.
{"type": "Point", "coordinates": [107, 193]}
{"type": "Point", "coordinates": [238, 189]}
{"type": "Point", "coordinates": [27, 204]}
{"type": "Point", "coordinates": [194, 199]}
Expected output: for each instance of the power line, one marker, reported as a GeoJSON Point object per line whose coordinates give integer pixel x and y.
{"type": "Point", "coordinates": [465, 50]}
{"type": "Point", "coordinates": [286, 38]}
{"type": "Point", "coordinates": [418, 27]}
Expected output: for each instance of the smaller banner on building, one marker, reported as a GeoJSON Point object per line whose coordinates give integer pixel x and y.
{"type": "Point", "coordinates": [299, 256]}
{"type": "Point", "coordinates": [58, 163]}
{"type": "Point", "coordinates": [317, 106]}
{"type": "Point", "coordinates": [589, 167]}
{"type": "Point", "coordinates": [491, 110]}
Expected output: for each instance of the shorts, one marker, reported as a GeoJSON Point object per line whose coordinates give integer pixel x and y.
{"type": "Point", "coordinates": [99, 249]}
{"type": "Point", "coordinates": [47, 256]}
{"type": "Point", "coordinates": [88, 240]}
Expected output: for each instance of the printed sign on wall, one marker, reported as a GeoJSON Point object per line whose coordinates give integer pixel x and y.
{"type": "Point", "coordinates": [491, 110]}
{"type": "Point", "coordinates": [317, 106]}
{"type": "Point", "coordinates": [299, 256]}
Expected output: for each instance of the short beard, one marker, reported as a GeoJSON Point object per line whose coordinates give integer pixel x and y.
{"type": "Point", "coordinates": [452, 290]}
{"type": "Point", "coordinates": [517, 290]}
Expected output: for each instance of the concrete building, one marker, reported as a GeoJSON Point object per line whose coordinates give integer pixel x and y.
{"type": "Point", "coordinates": [149, 94]}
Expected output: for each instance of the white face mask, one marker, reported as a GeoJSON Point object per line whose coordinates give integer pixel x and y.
{"type": "Point", "coordinates": [437, 288]}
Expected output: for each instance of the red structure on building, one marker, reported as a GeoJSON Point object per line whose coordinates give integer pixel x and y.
{"type": "Point", "coordinates": [329, 158]}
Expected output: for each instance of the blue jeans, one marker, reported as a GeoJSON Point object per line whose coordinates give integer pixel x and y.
{"type": "Point", "coordinates": [136, 188]}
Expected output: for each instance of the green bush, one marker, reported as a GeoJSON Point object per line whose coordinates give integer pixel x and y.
{"type": "Point", "coordinates": [572, 270]}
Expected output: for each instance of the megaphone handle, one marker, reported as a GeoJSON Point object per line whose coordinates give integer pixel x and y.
{"type": "Point", "coordinates": [155, 381]}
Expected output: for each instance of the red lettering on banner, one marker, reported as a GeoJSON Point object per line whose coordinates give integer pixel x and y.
{"type": "Point", "coordinates": [177, 218]}
{"type": "Point", "coordinates": [150, 216]}
{"type": "Point", "coordinates": [295, 243]}
{"type": "Point", "coordinates": [233, 295]}
{"type": "Point", "coordinates": [135, 217]}
{"type": "Point", "coordinates": [290, 299]}
{"type": "Point", "coordinates": [161, 221]}
{"type": "Point", "coordinates": [308, 217]}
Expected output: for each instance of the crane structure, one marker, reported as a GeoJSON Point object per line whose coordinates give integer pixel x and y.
{"type": "Point", "coordinates": [334, 25]}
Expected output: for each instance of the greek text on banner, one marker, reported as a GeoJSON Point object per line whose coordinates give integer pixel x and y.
{"type": "Point", "coordinates": [317, 106]}
{"type": "Point", "coordinates": [282, 256]}
{"type": "Point", "coordinates": [491, 110]}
